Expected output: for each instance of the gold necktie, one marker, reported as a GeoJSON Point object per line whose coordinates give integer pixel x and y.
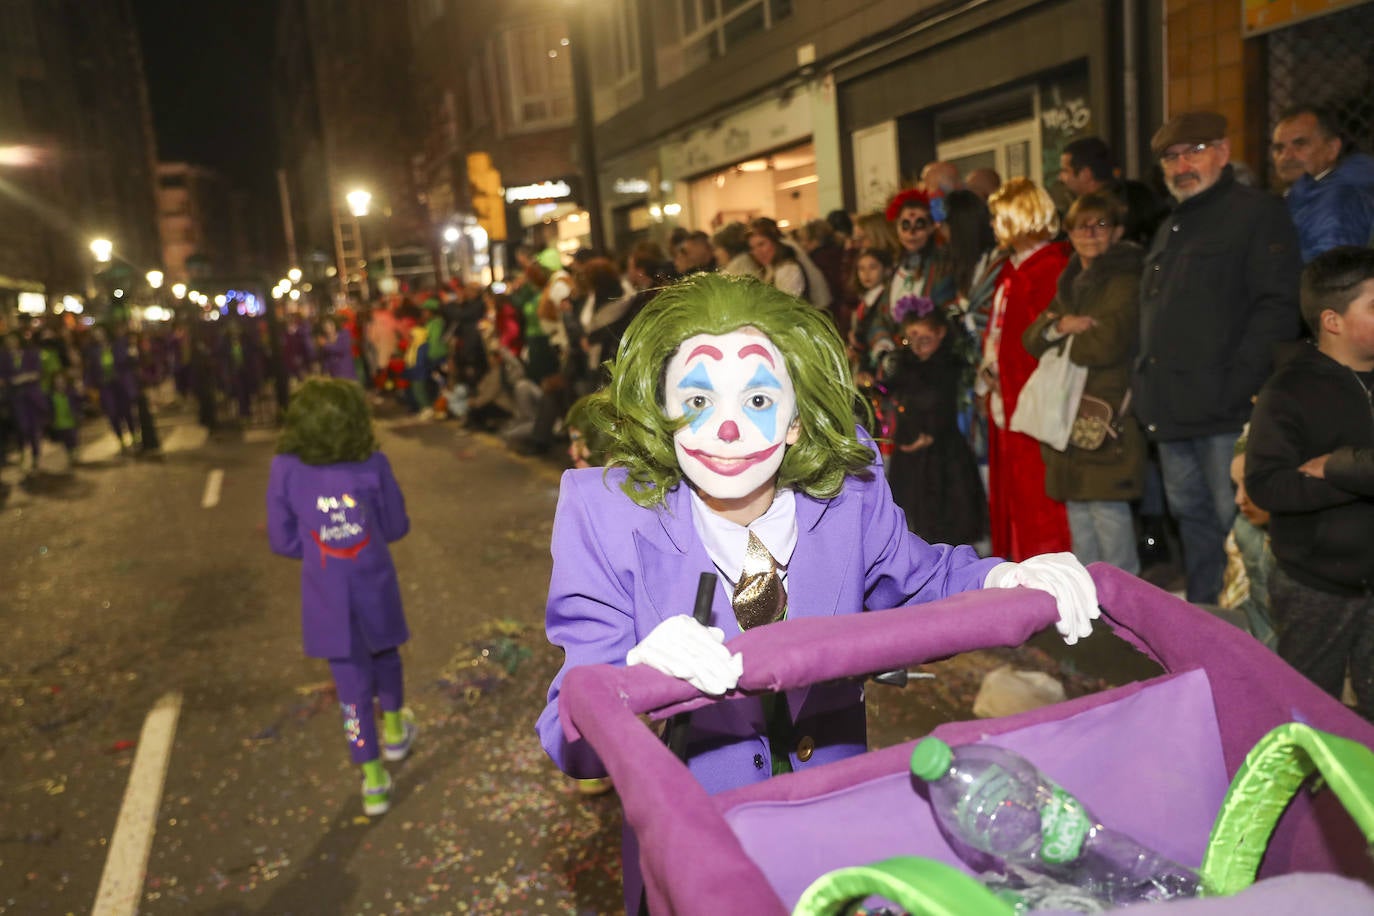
{"type": "Point", "coordinates": [759, 597]}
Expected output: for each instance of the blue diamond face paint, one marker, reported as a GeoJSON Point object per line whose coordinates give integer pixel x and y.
{"type": "Point", "coordinates": [695, 393]}
{"type": "Point", "coordinates": [761, 402]}
{"type": "Point", "coordinates": [738, 396]}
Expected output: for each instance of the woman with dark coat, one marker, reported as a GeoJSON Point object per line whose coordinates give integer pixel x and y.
{"type": "Point", "coordinates": [1098, 307]}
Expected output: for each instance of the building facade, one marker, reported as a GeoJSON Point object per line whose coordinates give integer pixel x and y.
{"type": "Point", "coordinates": [792, 108]}
{"type": "Point", "coordinates": [345, 117]}
{"type": "Point", "coordinates": [76, 152]}
{"type": "Point", "coordinates": [202, 224]}
{"type": "Point", "coordinates": [500, 153]}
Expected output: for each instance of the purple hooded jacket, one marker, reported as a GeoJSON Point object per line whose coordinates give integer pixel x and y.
{"type": "Point", "coordinates": [338, 519]}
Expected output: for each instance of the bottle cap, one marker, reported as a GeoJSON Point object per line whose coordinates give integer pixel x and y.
{"type": "Point", "coordinates": [931, 758]}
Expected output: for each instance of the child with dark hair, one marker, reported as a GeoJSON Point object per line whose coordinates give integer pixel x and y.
{"type": "Point", "coordinates": [1310, 463]}
{"type": "Point", "coordinates": [333, 502]}
{"type": "Point", "coordinates": [933, 472]}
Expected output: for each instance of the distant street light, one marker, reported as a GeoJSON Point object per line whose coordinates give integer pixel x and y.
{"type": "Point", "coordinates": [154, 279]}
{"type": "Point", "coordinates": [294, 275]}
{"type": "Point", "coordinates": [179, 290]}
{"type": "Point", "coordinates": [358, 201]}
{"type": "Point", "coordinates": [103, 249]}
{"type": "Point", "coordinates": [451, 234]}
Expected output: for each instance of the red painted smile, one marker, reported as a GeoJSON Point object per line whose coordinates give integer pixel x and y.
{"type": "Point", "coordinates": [729, 467]}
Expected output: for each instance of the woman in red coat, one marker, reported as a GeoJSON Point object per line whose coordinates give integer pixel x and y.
{"type": "Point", "coordinates": [1024, 521]}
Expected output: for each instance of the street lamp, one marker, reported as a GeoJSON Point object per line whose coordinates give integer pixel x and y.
{"type": "Point", "coordinates": [154, 278]}
{"type": "Point", "coordinates": [103, 249]}
{"type": "Point", "coordinates": [358, 202]}
{"type": "Point", "coordinates": [179, 290]}
{"type": "Point", "coordinates": [451, 234]}
{"type": "Point", "coordinates": [294, 275]}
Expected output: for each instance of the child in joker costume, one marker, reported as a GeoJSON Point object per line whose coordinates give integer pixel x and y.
{"type": "Point", "coordinates": [732, 447]}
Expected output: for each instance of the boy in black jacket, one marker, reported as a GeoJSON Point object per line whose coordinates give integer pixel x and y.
{"type": "Point", "coordinates": [1310, 462]}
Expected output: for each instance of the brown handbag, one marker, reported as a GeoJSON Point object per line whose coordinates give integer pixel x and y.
{"type": "Point", "coordinates": [1096, 422]}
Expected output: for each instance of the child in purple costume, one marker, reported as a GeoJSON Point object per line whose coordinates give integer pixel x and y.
{"type": "Point", "coordinates": [333, 502]}
{"type": "Point", "coordinates": [21, 373]}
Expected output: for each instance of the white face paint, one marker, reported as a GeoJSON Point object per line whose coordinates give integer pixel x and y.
{"type": "Point", "coordinates": [736, 390]}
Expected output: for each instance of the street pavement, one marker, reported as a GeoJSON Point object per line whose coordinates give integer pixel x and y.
{"type": "Point", "coordinates": [124, 583]}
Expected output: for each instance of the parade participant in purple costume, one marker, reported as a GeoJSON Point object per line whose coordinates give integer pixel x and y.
{"type": "Point", "coordinates": [335, 351]}
{"type": "Point", "coordinates": [730, 431]}
{"type": "Point", "coordinates": [244, 357]}
{"type": "Point", "coordinates": [109, 372]}
{"type": "Point", "coordinates": [297, 348]}
{"type": "Point", "coordinates": [333, 503]}
{"type": "Point", "coordinates": [21, 369]}
{"type": "Point", "coordinates": [731, 447]}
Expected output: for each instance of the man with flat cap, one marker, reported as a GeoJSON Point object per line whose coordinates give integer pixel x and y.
{"type": "Point", "coordinates": [1219, 291]}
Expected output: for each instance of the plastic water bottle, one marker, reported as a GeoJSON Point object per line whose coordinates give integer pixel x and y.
{"type": "Point", "coordinates": [996, 802]}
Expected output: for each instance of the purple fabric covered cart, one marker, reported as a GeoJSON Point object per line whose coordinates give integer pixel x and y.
{"type": "Point", "coordinates": [1152, 759]}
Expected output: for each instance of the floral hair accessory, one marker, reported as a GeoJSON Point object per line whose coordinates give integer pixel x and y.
{"type": "Point", "coordinates": [911, 197]}
{"type": "Point", "coordinates": [912, 305]}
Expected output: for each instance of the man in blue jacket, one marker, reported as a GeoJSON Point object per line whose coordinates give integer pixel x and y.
{"type": "Point", "coordinates": [1332, 203]}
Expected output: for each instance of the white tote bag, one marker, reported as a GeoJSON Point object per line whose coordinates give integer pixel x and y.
{"type": "Point", "coordinates": [1049, 400]}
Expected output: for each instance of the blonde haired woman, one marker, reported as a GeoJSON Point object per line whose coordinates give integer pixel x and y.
{"type": "Point", "coordinates": [1024, 520]}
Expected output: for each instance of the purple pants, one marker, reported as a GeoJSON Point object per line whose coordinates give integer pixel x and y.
{"type": "Point", "coordinates": [118, 408]}
{"type": "Point", "coordinates": [30, 416]}
{"type": "Point", "coordinates": [358, 679]}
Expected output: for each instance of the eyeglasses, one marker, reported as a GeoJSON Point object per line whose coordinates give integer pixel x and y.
{"type": "Point", "coordinates": [1187, 154]}
{"type": "Point", "coordinates": [1101, 227]}
{"type": "Point", "coordinates": [914, 225]}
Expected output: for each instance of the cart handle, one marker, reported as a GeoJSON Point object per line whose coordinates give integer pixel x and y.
{"type": "Point", "coordinates": [1266, 782]}
{"type": "Point", "coordinates": [923, 887]}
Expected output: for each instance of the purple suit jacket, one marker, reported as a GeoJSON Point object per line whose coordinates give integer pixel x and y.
{"type": "Point", "coordinates": [619, 570]}
{"type": "Point", "coordinates": [338, 519]}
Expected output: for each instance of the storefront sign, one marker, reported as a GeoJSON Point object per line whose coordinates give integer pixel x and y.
{"type": "Point", "coordinates": [1265, 15]}
{"type": "Point", "coordinates": [764, 127]}
{"type": "Point", "coordinates": [544, 190]}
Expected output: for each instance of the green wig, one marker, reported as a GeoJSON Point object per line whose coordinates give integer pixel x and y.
{"type": "Point", "coordinates": [629, 410]}
{"type": "Point", "coordinates": [595, 440]}
{"type": "Point", "coordinates": [328, 422]}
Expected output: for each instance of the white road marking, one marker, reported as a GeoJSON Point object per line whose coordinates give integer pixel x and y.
{"type": "Point", "coordinates": [121, 884]}
{"type": "Point", "coordinates": [212, 485]}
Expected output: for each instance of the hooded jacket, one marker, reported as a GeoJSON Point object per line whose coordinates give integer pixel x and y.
{"type": "Point", "coordinates": [1321, 531]}
{"type": "Point", "coordinates": [1337, 209]}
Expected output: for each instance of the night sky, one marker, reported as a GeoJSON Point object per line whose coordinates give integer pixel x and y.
{"type": "Point", "coordinates": [209, 67]}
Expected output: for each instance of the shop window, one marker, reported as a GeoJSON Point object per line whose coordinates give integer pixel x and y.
{"type": "Point", "coordinates": [539, 77]}
{"type": "Point", "coordinates": [692, 33]}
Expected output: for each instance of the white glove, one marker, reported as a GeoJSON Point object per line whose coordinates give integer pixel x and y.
{"type": "Point", "coordinates": [682, 648]}
{"type": "Point", "coordinates": [1062, 576]}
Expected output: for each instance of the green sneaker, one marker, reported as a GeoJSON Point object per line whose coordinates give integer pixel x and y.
{"type": "Point", "coordinates": [377, 800]}
{"type": "Point", "coordinates": [401, 749]}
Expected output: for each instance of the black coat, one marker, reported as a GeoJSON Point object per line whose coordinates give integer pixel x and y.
{"type": "Point", "coordinates": [938, 487]}
{"type": "Point", "coordinates": [1321, 531]}
{"type": "Point", "coordinates": [1220, 289]}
